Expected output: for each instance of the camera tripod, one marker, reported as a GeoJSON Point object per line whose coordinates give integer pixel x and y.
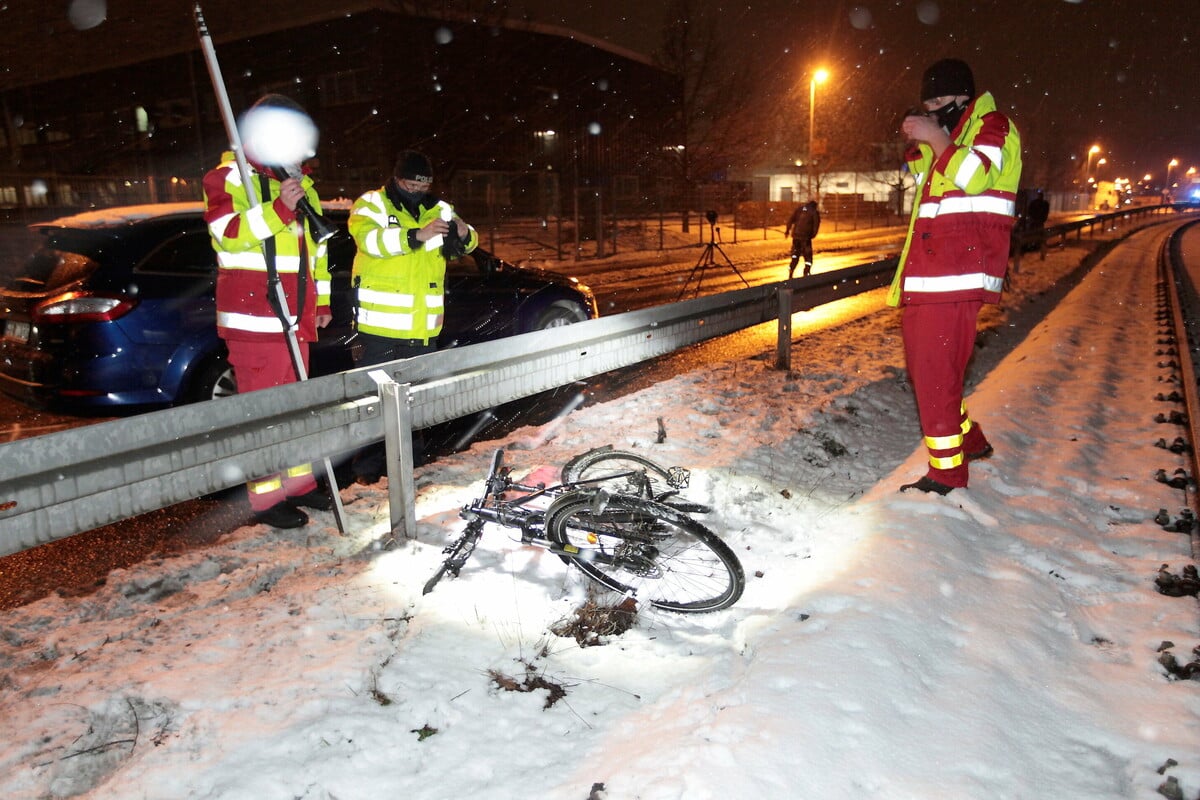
{"type": "Point", "coordinates": [707, 259]}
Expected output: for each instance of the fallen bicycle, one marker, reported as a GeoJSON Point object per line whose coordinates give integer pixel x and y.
{"type": "Point", "coordinates": [621, 520]}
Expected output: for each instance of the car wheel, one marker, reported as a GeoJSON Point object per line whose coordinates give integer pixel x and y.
{"type": "Point", "coordinates": [559, 313]}
{"type": "Point", "coordinates": [212, 381]}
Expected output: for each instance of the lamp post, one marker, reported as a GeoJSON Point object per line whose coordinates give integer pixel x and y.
{"type": "Point", "coordinates": [819, 76]}
{"type": "Point", "coordinates": [1174, 162]}
{"type": "Point", "coordinates": [1087, 171]}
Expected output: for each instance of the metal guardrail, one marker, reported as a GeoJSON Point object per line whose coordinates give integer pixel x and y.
{"type": "Point", "coordinates": [63, 483]}
{"type": "Point", "coordinates": [1043, 237]}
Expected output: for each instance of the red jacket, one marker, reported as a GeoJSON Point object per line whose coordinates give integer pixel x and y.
{"type": "Point", "coordinates": [238, 232]}
{"type": "Point", "coordinates": [958, 236]}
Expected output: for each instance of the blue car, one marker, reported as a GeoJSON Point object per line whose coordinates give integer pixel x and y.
{"type": "Point", "coordinates": [116, 311]}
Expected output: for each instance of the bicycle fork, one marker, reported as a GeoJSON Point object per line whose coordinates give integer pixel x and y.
{"type": "Point", "coordinates": [457, 553]}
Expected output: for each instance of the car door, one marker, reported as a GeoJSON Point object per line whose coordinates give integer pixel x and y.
{"type": "Point", "coordinates": [176, 324]}
{"type": "Point", "coordinates": [480, 303]}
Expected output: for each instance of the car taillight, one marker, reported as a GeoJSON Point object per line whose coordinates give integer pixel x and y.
{"type": "Point", "coordinates": [83, 307]}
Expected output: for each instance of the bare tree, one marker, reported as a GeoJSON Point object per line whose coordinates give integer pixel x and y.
{"type": "Point", "coordinates": [716, 125]}
{"type": "Point", "coordinates": [844, 137]}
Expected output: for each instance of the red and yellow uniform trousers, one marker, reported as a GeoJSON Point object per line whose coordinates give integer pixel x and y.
{"type": "Point", "coordinates": [262, 365]}
{"type": "Point", "coordinates": [938, 341]}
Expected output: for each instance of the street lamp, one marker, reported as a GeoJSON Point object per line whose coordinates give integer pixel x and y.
{"type": "Point", "coordinates": [1087, 170]}
{"type": "Point", "coordinates": [820, 76]}
{"type": "Point", "coordinates": [1166, 192]}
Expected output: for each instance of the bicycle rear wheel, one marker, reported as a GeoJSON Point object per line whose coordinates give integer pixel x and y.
{"type": "Point", "coordinates": [623, 472]}
{"type": "Point", "coordinates": [659, 554]}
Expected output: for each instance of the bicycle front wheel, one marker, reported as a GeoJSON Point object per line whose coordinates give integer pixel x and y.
{"type": "Point", "coordinates": [660, 555]}
{"type": "Point", "coordinates": [630, 473]}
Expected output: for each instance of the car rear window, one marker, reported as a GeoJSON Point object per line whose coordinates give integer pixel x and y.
{"type": "Point", "coordinates": [189, 253]}
{"type": "Point", "coordinates": [65, 255]}
{"type": "Point", "coordinates": [54, 268]}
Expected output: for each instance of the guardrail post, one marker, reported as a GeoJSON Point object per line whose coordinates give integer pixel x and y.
{"type": "Point", "coordinates": [783, 345]}
{"type": "Point", "coordinates": [397, 440]}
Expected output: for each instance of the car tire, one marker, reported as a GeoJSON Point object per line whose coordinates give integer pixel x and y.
{"type": "Point", "coordinates": [213, 380]}
{"type": "Point", "coordinates": [559, 313]}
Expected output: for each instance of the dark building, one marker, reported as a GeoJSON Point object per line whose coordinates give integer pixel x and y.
{"type": "Point", "coordinates": [520, 119]}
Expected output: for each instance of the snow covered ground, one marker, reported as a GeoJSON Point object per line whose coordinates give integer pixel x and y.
{"type": "Point", "coordinates": [1000, 642]}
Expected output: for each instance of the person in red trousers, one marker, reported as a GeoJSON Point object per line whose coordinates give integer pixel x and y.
{"type": "Point", "coordinates": [250, 242]}
{"type": "Point", "coordinates": [966, 158]}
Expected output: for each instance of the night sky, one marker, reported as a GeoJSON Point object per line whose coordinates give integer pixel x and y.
{"type": "Point", "coordinates": [1118, 73]}
{"type": "Point", "coordinates": [1121, 74]}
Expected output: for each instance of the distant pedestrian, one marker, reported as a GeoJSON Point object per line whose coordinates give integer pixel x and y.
{"type": "Point", "coordinates": [1038, 212]}
{"type": "Point", "coordinates": [802, 227]}
{"type": "Point", "coordinates": [967, 159]}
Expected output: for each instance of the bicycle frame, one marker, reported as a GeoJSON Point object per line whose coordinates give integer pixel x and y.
{"type": "Point", "coordinates": [492, 507]}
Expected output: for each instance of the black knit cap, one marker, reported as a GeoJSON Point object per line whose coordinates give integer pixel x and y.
{"type": "Point", "coordinates": [947, 78]}
{"type": "Point", "coordinates": [413, 166]}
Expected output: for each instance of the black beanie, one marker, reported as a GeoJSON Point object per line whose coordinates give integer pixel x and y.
{"type": "Point", "coordinates": [947, 78]}
{"type": "Point", "coordinates": [414, 166]}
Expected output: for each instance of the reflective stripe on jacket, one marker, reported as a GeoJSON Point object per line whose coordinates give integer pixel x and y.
{"type": "Point", "coordinates": [400, 290]}
{"type": "Point", "coordinates": [238, 231]}
{"type": "Point", "coordinates": [961, 222]}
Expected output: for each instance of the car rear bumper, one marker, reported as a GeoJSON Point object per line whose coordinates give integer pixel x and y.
{"type": "Point", "coordinates": [44, 380]}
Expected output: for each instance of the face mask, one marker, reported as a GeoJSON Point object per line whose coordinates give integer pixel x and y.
{"type": "Point", "coordinates": [402, 197]}
{"type": "Point", "coordinates": [948, 115]}
{"type": "Point", "coordinates": [412, 197]}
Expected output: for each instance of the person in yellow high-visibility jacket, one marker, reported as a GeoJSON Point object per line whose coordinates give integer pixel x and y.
{"type": "Point", "coordinates": [966, 157]}
{"type": "Point", "coordinates": [404, 236]}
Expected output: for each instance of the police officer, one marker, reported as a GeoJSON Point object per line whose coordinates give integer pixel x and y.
{"type": "Point", "coordinates": [404, 235]}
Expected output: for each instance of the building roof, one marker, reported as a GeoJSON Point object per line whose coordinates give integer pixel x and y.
{"type": "Point", "coordinates": [41, 43]}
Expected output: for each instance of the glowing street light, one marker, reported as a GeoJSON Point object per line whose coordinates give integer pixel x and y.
{"type": "Point", "coordinates": [1174, 162]}
{"type": "Point", "coordinates": [1087, 170]}
{"type": "Point", "coordinates": [820, 76]}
